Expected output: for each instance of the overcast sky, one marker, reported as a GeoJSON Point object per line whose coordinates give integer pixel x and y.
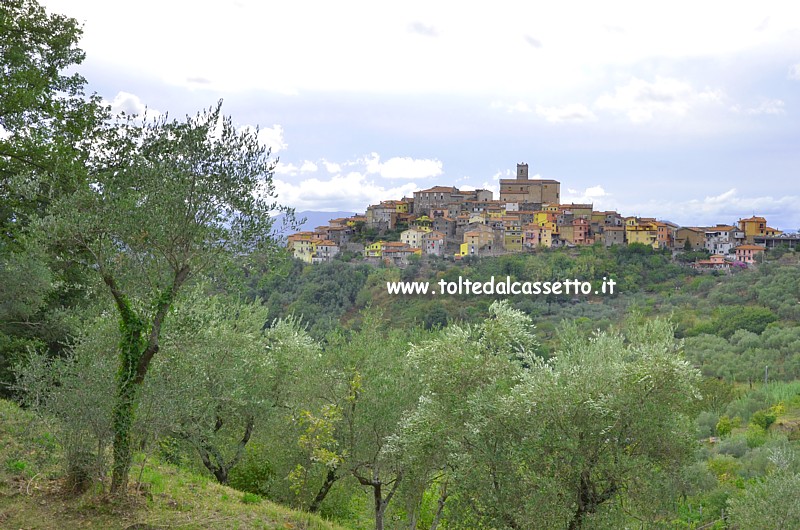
{"type": "Point", "coordinates": [686, 111]}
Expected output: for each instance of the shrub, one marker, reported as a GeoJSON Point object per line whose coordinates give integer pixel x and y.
{"type": "Point", "coordinates": [756, 435]}
{"type": "Point", "coordinates": [80, 470]}
{"type": "Point", "coordinates": [725, 467]}
{"type": "Point", "coordinates": [251, 498]}
{"type": "Point", "coordinates": [753, 319]}
{"type": "Point", "coordinates": [745, 407]}
{"type": "Point", "coordinates": [707, 424]}
{"type": "Point", "coordinates": [17, 467]}
{"type": "Point", "coordinates": [725, 426]}
{"type": "Point", "coordinates": [254, 474]}
{"type": "Point", "coordinates": [764, 418]}
{"type": "Point", "coordinates": [735, 446]}
{"type": "Point", "coordinates": [697, 478]}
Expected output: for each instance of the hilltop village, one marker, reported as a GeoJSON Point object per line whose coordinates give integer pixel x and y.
{"type": "Point", "coordinates": [446, 221]}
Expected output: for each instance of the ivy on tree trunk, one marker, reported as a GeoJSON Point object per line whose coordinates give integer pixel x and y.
{"type": "Point", "coordinates": [135, 354]}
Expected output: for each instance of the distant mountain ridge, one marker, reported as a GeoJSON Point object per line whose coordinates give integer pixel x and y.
{"type": "Point", "coordinates": [312, 218]}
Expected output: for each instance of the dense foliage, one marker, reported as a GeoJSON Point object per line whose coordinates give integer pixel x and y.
{"type": "Point", "coordinates": [44, 125]}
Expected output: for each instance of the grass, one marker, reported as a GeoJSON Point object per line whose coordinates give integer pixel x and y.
{"type": "Point", "coordinates": [786, 392]}
{"type": "Point", "coordinates": [31, 493]}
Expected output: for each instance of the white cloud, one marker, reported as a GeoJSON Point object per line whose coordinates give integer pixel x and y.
{"type": "Point", "coordinates": [422, 29]}
{"type": "Point", "coordinates": [794, 72]}
{"type": "Point", "coordinates": [574, 112]}
{"type": "Point", "coordinates": [331, 167]}
{"type": "Point", "coordinates": [270, 137]}
{"type": "Point", "coordinates": [130, 104]}
{"type": "Point", "coordinates": [350, 192]}
{"type": "Point", "coordinates": [308, 167]}
{"type": "Point", "coordinates": [596, 195]}
{"type": "Point", "coordinates": [402, 60]}
{"type": "Point", "coordinates": [399, 58]}
{"type": "Point", "coordinates": [641, 100]}
{"type": "Point", "coordinates": [722, 198]}
{"type": "Point", "coordinates": [273, 138]}
{"type": "Point", "coordinates": [726, 207]}
{"type": "Point", "coordinates": [768, 106]}
{"type": "Point", "coordinates": [125, 102]}
{"type": "Point", "coordinates": [533, 41]}
{"type": "Point", "coordinates": [519, 106]}
{"type": "Point", "coordinates": [353, 190]}
{"type": "Point", "coordinates": [403, 167]}
{"type": "Point", "coordinates": [286, 169]}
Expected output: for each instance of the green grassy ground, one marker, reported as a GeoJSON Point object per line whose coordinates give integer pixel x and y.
{"type": "Point", "coordinates": [32, 493]}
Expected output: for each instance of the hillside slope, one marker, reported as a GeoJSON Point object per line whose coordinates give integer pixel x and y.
{"type": "Point", "coordinates": [32, 493]}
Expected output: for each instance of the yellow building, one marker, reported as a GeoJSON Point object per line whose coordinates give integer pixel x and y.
{"type": "Point", "coordinates": [374, 250]}
{"type": "Point", "coordinates": [413, 237]}
{"type": "Point", "coordinates": [567, 233]}
{"type": "Point", "coordinates": [579, 210]}
{"type": "Point", "coordinates": [512, 234]}
{"type": "Point", "coordinates": [401, 206]}
{"type": "Point", "coordinates": [641, 231]}
{"type": "Point", "coordinates": [512, 240]}
{"type": "Point", "coordinates": [477, 218]}
{"type": "Point", "coordinates": [752, 227]}
{"type": "Point", "coordinates": [379, 249]}
{"type": "Point", "coordinates": [598, 218]}
{"type": "Point", "coordinates": [304, 249]}
{"type": "Point", "coordinates": [543, 217]}
{"type": "Point", "coordinates": [356, 219]}
{"type": "Point", "coordinates": [468, 249]}
{"type": "Point", "coordinates": [695, 235]}
{"type": "Point", "coordinates": [479, 237]}
{"type": "Point", "coordinates": [302, 245]}
{"type": "Point", "coordinates": [423, 223]}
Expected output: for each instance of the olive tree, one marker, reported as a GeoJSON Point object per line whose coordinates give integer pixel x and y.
{"type": "Point", "coordinates": [773, 502]}
{"type": "Point", "coordinates": [606, 416]}
{"type": "Point", "coordinates": [352, 402]}
{"type": "Point", "coordinates": [467, 373]}
{"type": "Point", "coordinates": [76, 392]}
{"type": "Point", "coordinates": [523, 442]}
{"type": "Point", "coordinates": [219, 378]}
{"type": "Point", "coordinates": [222, 376]}
{"type": "Point", "coordinates": [163, 201]}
